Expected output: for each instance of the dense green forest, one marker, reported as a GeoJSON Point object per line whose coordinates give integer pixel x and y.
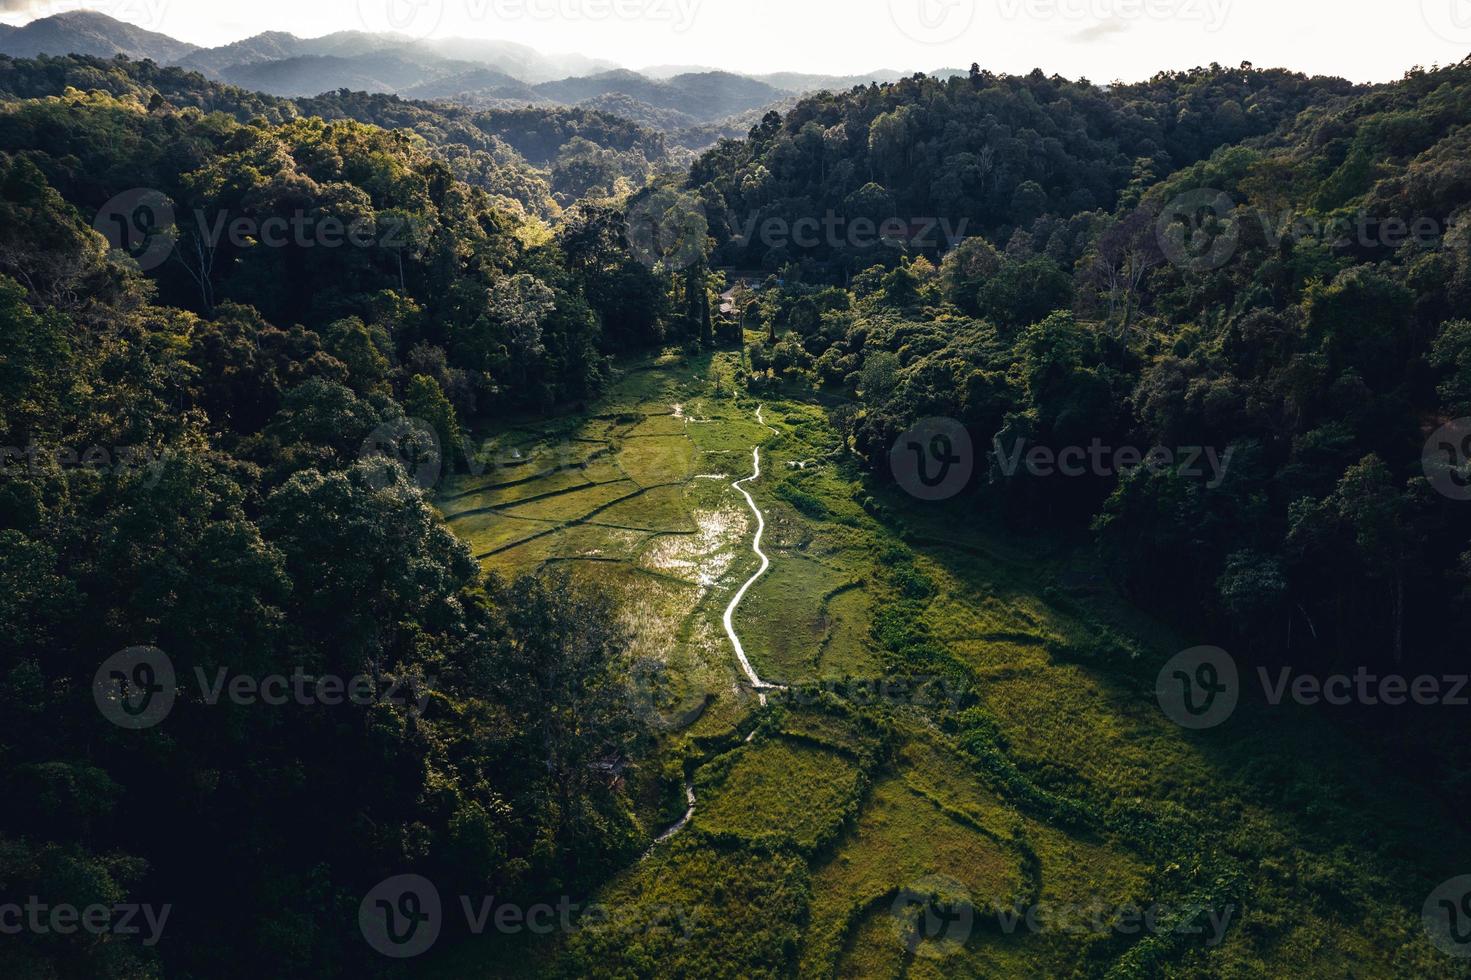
{"type": "Point", "coordinates": [1313, 333]}
{"type": "Point", "coordinates": [459, 269]}
{"type": "Point", "coordinates": [247, 379]}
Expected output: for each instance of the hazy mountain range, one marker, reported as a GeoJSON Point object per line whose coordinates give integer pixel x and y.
{"type": "Point", "coordinates": [473, 72]}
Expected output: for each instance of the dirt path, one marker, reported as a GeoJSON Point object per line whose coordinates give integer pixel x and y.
{"type": "Point", "coordinates": [756, 682]}
{"type": "Point", "coordinates": [735, 640]}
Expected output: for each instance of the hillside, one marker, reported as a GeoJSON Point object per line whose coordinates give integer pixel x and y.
{"type": "Point", "coordinates": [706, 97]}
{"type": "Point", "coordinates": [477, 73]}
{"type": "Point", "coordinates": [314, 74]}
{"type": "Point", "coordinates": [994, 152]}
{"type": "Point", "coordinates": [473, 86]}
{"type": "Point", "coordinates": [448, 538]}
{"type": "Point", "coordinates": [87, 32]}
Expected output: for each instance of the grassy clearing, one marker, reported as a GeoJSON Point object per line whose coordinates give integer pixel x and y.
{"type": "Point", "coordinates": [778, 793]}
{"type": "Point", "coordinates": [1049, 777]}
{"type": "Point", "coordinates": [786, 619]}
{"type": "Point", "coordinates": [900, 842]}
{"type": "Point", "coordinates": [694, 910]}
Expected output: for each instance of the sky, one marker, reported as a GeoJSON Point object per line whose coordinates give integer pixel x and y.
{"type": "Point", "coordinates": [1103, 40]}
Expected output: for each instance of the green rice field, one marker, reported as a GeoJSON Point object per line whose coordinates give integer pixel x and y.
{"type": "Point", "coordinates": [961, 738]}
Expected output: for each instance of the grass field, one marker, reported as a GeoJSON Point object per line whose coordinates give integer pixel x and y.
{"type": "Point", "coordinates": [968, 739]}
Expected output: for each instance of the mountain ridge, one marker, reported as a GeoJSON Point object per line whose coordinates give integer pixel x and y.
{"type": "Point", "coordinates": [477, 73]}
{"type": "Point", "coordinates": [89, 32]}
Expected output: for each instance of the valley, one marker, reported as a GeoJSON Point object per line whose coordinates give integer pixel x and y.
{"type": "Point", "coordinates": [922, 757]}
{"type": "Point", "coordinates": [718, 598]}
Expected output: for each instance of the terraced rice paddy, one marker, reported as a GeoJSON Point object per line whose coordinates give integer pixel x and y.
{"type": "Point", "coordinates": [961, 739]}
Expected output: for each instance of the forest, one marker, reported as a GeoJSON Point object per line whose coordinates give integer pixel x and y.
{"type": "Point", "coordinates": [1267, 275]}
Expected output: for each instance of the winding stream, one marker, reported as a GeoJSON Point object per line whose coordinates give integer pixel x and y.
{"type": "Point", "coordinates": [735, 641]}
{"type": "Point", "coordinates": [760, 686]}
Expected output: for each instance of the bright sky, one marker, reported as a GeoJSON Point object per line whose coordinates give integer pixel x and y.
{"type": "Point", "coordinates": [1365, 40]}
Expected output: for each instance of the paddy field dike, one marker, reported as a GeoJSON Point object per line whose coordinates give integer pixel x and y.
{"type": "Point", "coordinates": [954, 765]}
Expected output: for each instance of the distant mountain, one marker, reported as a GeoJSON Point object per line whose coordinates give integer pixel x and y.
{"type": "Point", "coordinates": [627, 107]}
{"type": "Point", "coordinates": [474, 86]}
{"type": "Point", "coordinates": [279, 46]}
{"type": "Point", "coordinates": [87, 32]}
{"type": "Point", "coordinates": [517, 60]}
{"type": "Point", "coordinates": [792, 81]}
{"type": "Point", "coordinates": [699, 103]}
{"type": "Point", "coordinates": [314, 74]}
{"type": "Point", "coordinates": [620, 81]}
{"type": "Point", "coordinates": [275, 46]}
{"type": "Point", "coordinates": [706, 97]}
{"type": "Point", "coordinates": [799, 82]}
{"type": "Point", "coordinates": [665, 72]}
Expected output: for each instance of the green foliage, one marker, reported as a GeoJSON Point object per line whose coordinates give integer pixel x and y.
{"type": "Point", "coordinates": [710, 913]}
{"type": "Point", "coordinates": [235, 527]}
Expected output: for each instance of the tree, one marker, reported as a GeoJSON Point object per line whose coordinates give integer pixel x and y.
{"type": "Point", "coordinates": [560, 665]}
{"type": "Point", "coordinates": [424, 399]}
